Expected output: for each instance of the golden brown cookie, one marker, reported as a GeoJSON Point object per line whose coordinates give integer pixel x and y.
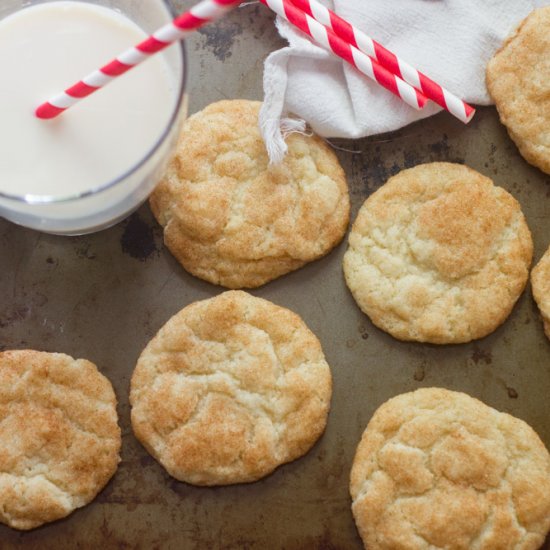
{"type": "Point", "coordinates": [540, 281]}
{"type": "Point", "coordinates": [438, 254]}
{"type": "Point", "coordinates": [229, 389]}
{"type": "Point", "coordinates": [517, 79]}
{"type": "Point", "coordinates": [59, 437]}
{"type": "Point", "coordinates": [232, 219]}
{"type": "Point", "coordinates": [439, 469]}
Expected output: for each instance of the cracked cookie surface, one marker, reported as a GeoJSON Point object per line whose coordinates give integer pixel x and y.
{"type": "Point", "coordinates": [517, 79]}
{"type": "Point", "coordinates": [438, 254]}
{"type": "Point", "coordinates": [439, 469]}
{"type": "Point", "coordinates": [229, 389]}
{"type": "Point", "coordinates": [540, 281]}
{"type": "Point", "coordinates": [59, 437]}
{"type": "Point", "coordinates": [234, 220]}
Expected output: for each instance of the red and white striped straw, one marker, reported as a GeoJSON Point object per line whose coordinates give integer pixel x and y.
{"type": "Point", "coordinates": [196, 17]}
{"type": "Point", "coordinates": [328, 39]}
{"type": "Point", "coordinates": [456, 106]}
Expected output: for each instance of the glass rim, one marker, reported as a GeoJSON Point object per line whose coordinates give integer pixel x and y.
{"type": "Point", "coordinates": [55, 199]}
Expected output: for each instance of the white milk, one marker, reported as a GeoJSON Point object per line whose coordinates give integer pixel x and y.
{"type": "Point", "coordinates": [48, 47]}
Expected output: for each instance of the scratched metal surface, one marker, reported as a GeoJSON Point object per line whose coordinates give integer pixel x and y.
{"type": "Point", "coordinates": [104, 296]}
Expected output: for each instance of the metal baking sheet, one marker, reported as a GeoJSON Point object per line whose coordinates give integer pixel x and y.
{"type": "Point", "coordinates": [102, 297]}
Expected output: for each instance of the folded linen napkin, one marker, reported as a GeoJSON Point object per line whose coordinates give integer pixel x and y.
{"type": "Point", "coordinates": [449, 40]}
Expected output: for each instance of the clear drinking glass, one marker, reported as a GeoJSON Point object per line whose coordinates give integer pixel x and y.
{"type": "Point", "coordinates": [110, 201]}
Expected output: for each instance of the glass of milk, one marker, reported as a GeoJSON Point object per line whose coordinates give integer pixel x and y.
{"type": "Point", "coordinates": [94, 164]}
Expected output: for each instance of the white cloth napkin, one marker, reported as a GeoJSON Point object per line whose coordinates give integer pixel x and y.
{"type": "Point", "coordinates": [449, 40]}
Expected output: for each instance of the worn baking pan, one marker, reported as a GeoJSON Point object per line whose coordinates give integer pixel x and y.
{"type": "Point", "coordinates": [103, 297]}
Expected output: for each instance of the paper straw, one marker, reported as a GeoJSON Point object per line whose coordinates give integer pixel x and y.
{"type": "Point", "coordinates": [326, 38]}
{"type": "Point", "coordinates": [196, 17]}
{"type": "Point", "coordinates": [456, 106]}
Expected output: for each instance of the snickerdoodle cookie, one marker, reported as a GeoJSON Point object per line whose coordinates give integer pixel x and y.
{"type": "Point", "coordinates": [439, 469]}
{"type": "Point", "coordinates": [59, 437]}
{"type": "Point", "coordinates": [518, 79]}
{"type": "Point", "coordinates": [540, 281]}
{"type": "Point", "coordinates": [229, 389]}
{"type": "Point", "coordinates": [233, 219]}
{"type": "Point", "coordinates": [438, 254]}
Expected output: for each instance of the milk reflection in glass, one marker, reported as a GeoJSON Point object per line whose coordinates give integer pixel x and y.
{"type": "Point", "coordinates": [43, 49]}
